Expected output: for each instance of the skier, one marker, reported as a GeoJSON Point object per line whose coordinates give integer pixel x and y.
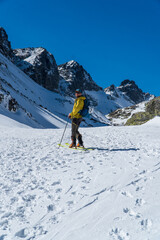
{"type": "Point", "coordinates": [77, 119]}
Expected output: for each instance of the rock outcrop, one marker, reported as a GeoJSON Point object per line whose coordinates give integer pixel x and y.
{"type": "Point", "coordinates": [152, 109]}
{"type": "Point", "coordinates": [40, 65]}
{"type": "Point", "coordinates": [133, 91]}
{"type": "Point", "coordinates": [5, 45]}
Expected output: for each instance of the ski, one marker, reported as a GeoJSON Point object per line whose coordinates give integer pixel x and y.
{"type": "Point", "coordinates": [80, 148]}
{"type": "Point", "coordinates": [66, 146]}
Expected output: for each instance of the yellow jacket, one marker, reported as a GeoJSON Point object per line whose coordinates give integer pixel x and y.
{"type": "Point", "coordinates": [78, 106]}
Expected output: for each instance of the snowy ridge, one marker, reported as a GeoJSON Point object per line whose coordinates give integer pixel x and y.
{"type": "Point", "coordinates": [111, 192]}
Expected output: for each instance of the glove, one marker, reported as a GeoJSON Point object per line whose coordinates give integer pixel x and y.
{"type": "Point", "coordinates": [69, 115]}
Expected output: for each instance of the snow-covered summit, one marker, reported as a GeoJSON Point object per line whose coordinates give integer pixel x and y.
{"type": "Point", "coordinates": [72, 63]}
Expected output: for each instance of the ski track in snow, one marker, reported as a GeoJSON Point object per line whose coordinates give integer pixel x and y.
{"type": "Point", "coordinates": [111, 192]}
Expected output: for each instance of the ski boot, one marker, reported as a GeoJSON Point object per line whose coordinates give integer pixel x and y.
{"type": "Point", "coordinates": [73, 144]}
{"type": "Point", "coordinates": [80, 142]}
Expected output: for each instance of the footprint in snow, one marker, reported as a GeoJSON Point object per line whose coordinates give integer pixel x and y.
{"type": "Point", "coordinates": [131, 213]}
{"type": "Point", "coordinates": [139, 202]}
{"type": "Point", "coordinates": [2, 237]}
{"type": "Point", "coordinates": [146, 224]}
{"type": "Point", "coordinates": [73, 193]}
{"type": "Point", "coordinates": [22, 233]}
{"type": "Point", "coordinates": [117, 233]}
{"type": "Point", "coordinates": [70, 203]}
{"type": "Point", "coordinates": [50, 208]}
{"type": "Point", "coordinates": [56, 183]}
{"type": "Point", "coordinates": [139, 188]}
{"type": "Point", "coordinates": [58, 190]}
{"type": "Point", "coordinates": [127, 194]}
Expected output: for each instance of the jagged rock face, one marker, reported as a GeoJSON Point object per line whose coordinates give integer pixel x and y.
{"type": "Point", "coordinates": [132, 91]}
{"type": "Point", "coordinates": [8, 102]}
{"type": "Point", "coordinates": [39, 64]}
{"type": "Point", "coordinates": [112, 89]}
{"type": "Point", "coordinates": [5, 45]}
{"type": "Point", "coordinates": [75, 76]}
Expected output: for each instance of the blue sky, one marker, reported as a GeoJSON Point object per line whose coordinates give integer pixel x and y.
{"type": "Point", "coordinates": [113, 39]}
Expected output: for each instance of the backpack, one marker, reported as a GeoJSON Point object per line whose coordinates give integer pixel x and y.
{"type": "Point", "coordinates": [85, 111]}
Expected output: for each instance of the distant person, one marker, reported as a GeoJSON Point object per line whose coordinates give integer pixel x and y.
{"type": "Point", "coordinates": [77, 119]}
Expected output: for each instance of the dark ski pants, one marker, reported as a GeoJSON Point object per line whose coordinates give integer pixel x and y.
{"type": "Point", "coordinates": [75, 125]}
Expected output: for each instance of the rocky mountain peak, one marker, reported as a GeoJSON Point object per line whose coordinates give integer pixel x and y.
{"type": "Point", "coordinates": [75, 76]}
{"type": "Point", "coordinates": [128, 82]}
{"type": "Point", "coordinates": [5, 45]}
{"type": "Point", "coordinates": [72, 64]}
{"type": "Point", "coordinates": [39, 64]}
{"type": "Point", "coordinates": [129, 86]}
{"type": "Point", "coordinates": [131, 90]}
{"type": "Point", "coordinates": [128, 92]}
{"type": "Point", "coordinates": [111, 88]}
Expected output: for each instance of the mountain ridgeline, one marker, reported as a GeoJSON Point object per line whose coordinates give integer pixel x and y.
{"type": "Point", "coordinates": [60, 82]}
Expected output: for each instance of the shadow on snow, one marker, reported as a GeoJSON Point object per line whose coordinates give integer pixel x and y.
{"type": "Point", "coordinates": [115, 150]}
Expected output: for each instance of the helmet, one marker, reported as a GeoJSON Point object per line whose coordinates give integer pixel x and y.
{"type": "Point", "coordinates": [78, 91]}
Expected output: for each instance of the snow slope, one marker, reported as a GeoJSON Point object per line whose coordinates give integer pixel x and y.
{"type": "Point", "coordinates": [155, 122]}
{"type": "Point", "coordinates": [10, 123]}
{"type": "Point", "coordinates": [37, 106]}
{"type": "Point", "coordinates": [111, 192]}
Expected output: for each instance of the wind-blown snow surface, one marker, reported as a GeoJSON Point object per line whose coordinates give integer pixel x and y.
{"type": "Point", "coordinates": [111, 192]}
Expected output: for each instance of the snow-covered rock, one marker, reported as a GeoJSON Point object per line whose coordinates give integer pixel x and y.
{"type": "Point", "coordinates": [128, 93]}
{"type": "Point", "coordinates": [39, 64]}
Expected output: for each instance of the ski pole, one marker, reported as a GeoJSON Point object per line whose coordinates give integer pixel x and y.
{"type": "Point", "coordinates": [63, 133]}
